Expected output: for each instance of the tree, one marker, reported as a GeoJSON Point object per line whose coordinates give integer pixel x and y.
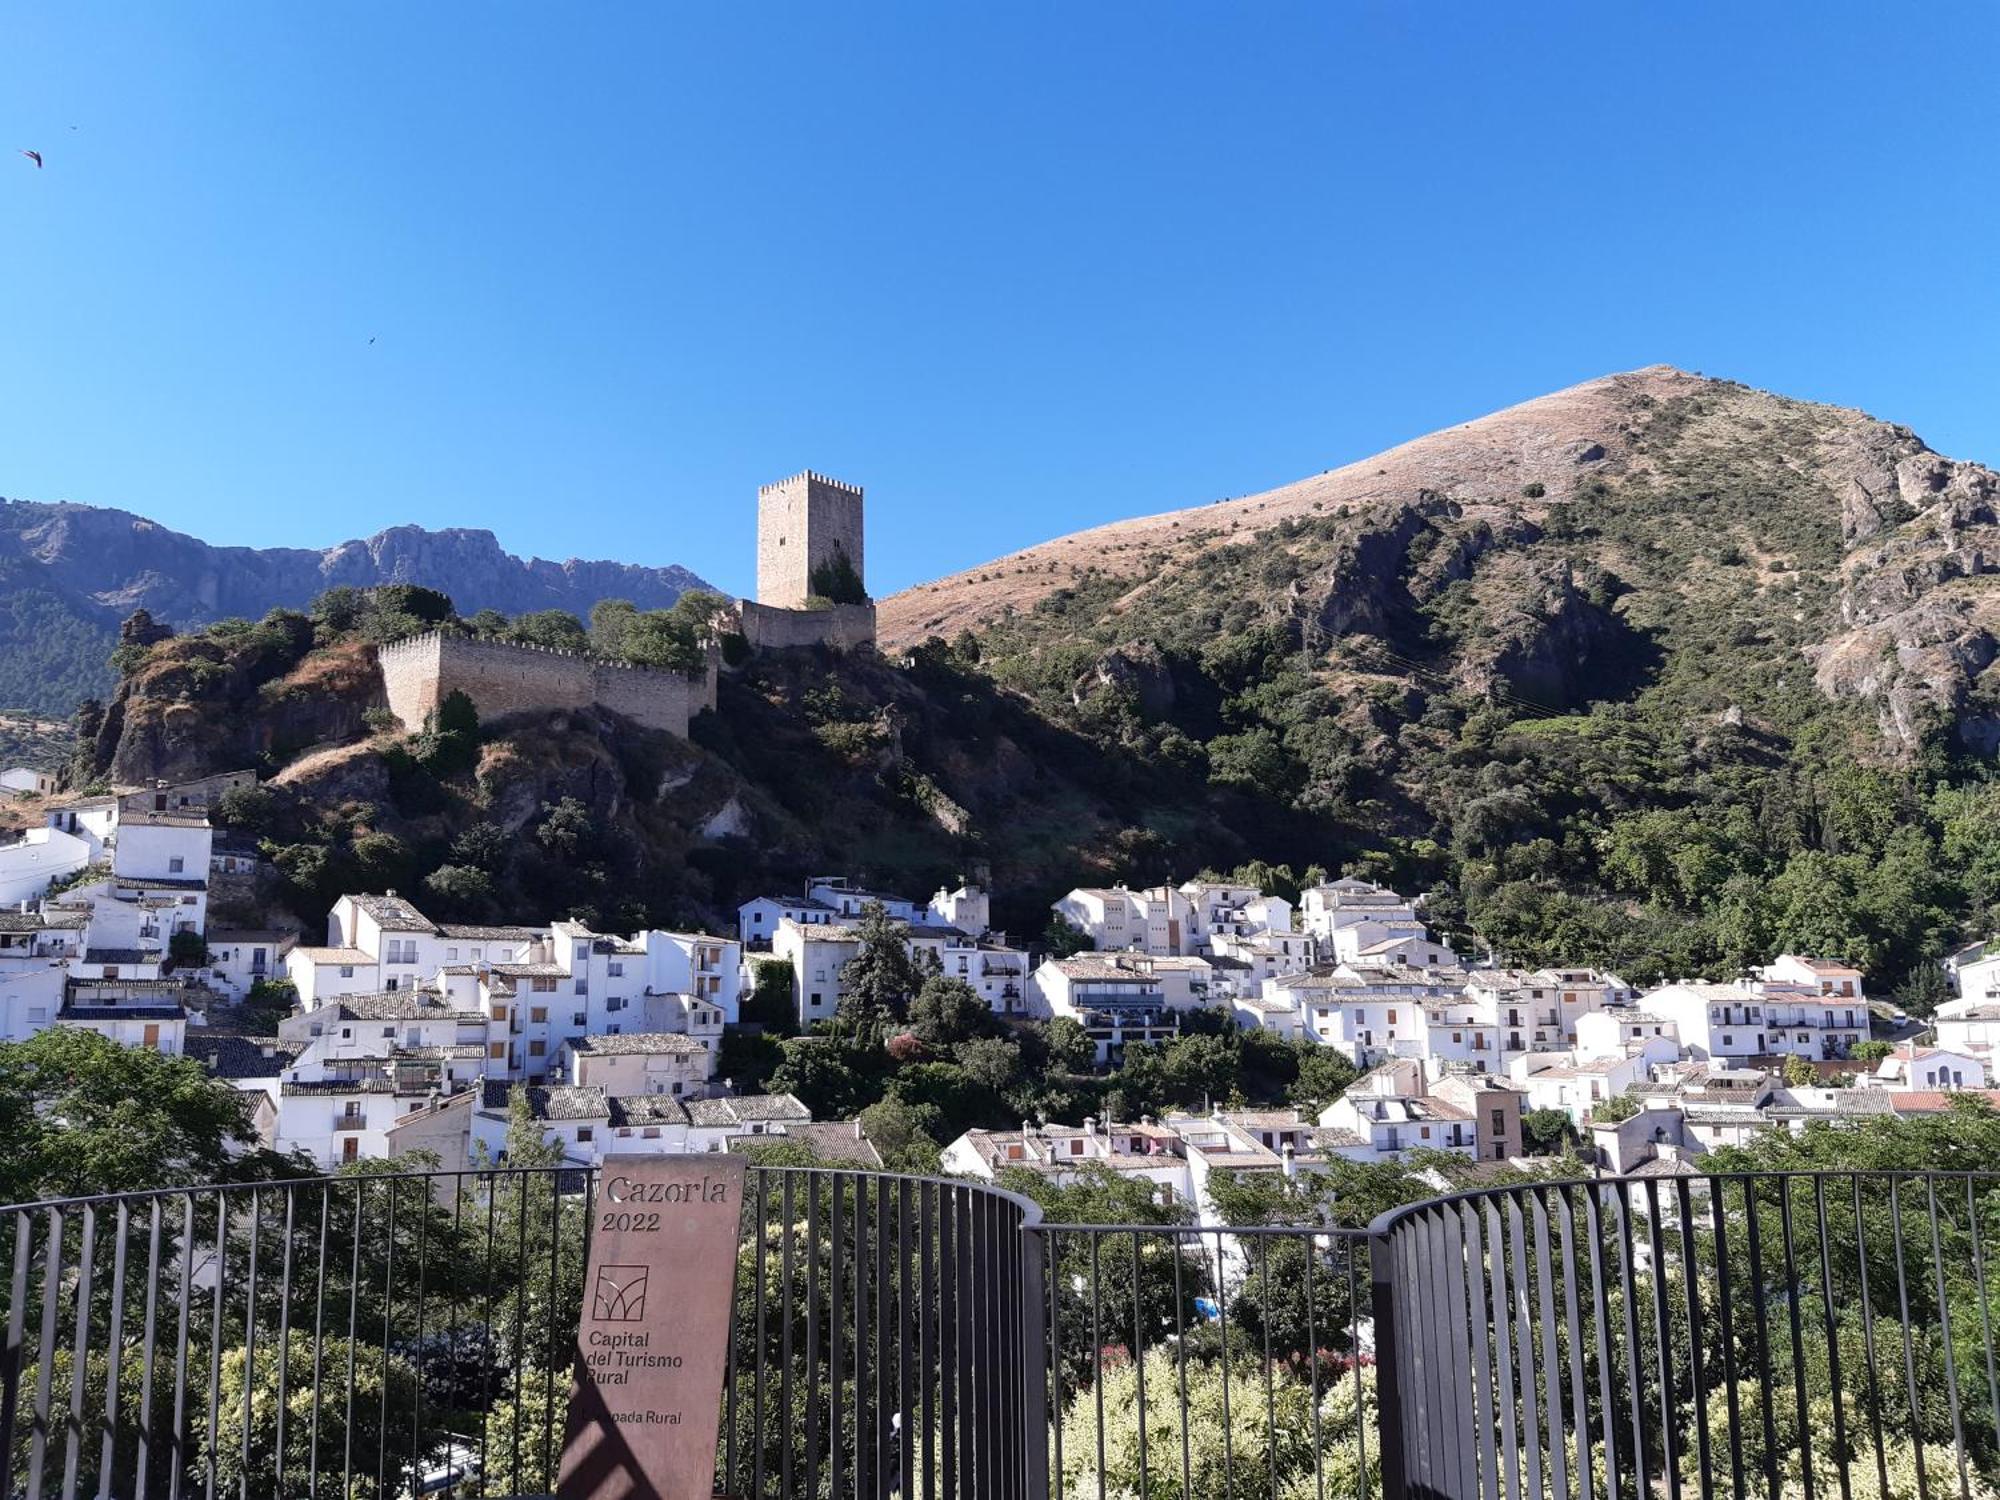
{"type": "Point", "coordinates": [773, 999]}
{"type": "Point", "coordinates": [1798, 1073]}
{"type": "Point", "coordinates": [1063, 939]}
{"type": "Point", "coordinates": [990, 1061]}
{"type": "Point", "coordinates": [946, 1012]}
{"type": "Point", "coordinates": [1617, 1107]}
{"type": "Point", "coordinates": [905, 1135]}
{"type": "Point", "coordinates": [566, 829]}
{"type": "Point", "coordinates": [82, 1114]}
{"type": "Point", "coordinates": [556, 629]}
{"type": "Point", "coordinates": [837, 580]}
{"type": "Point", "coordinates": [384, 1388]}
{"type": "Point", "coordinates": [249, 809]}
{"type": "Point", "coordinates": [1324, 1075]}
{"type": "Point", "coordinates": [1070, 1048]}
{"type": "Point", "coordinates": [1872, 1052]}
{"type": "Point", "coordinates": [465, 890]}
{"type": "Point", "coordinates": [877, 983]}
{"type": "Point", "coordinates": [187, 949]}
{"type": "Point", "coordinates": [1545, 1132]}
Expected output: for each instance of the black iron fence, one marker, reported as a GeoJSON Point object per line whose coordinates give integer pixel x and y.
{"type": "Point", "coordinates": [391, 1335]}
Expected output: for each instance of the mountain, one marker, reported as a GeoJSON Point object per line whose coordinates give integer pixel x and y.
{"type": "Point", "coordinates": [69, 573]}
{"type": "Point", "coordinates": [1650, 533]}
{"type": "Point", "coordinates": [1660, 673]}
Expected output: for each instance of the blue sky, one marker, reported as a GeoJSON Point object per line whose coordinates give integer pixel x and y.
{"type": "Point", "coordinates": [1016, 268]}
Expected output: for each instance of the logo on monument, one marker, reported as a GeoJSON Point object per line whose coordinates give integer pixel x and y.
{"type": "Point", "coordinates": [620, 1294]}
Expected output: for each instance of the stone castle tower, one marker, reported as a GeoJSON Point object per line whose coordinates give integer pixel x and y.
{"type": "Point", "coordinates": [806, 526]}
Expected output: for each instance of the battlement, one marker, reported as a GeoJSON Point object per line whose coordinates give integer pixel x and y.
{"type": "Point", "coordinates": [502, 677]}
{"type": "Point", "coordinates": [812, 476]}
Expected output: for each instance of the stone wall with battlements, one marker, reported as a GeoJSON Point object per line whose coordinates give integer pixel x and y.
{"type": "Point", "coordinates": [843, 627]}
{"type": "Point", "coordinates": [500, 679]}
{"type": "Point", "coordinates": [803, 523]}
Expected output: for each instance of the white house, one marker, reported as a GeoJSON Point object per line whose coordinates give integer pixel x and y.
{"type": "Point", "coordinates": [1158, 920]}
{"type": "Point", "coordinates": [239, 959]}
{"type": "Point", "coordinates": [1118, 998]}
{"type": "Point", "coordinates": [41, 856]}
{"type": "Point", "coordinates": [638, 1063]}
{"type": "Point", "coordinates": [1576, 1086]}
{"type": "Point", "coordinates": [757, 920]}
{"type": "Point", "coordinates": [133, 1013]}
{"type": "Point", "coordinates": [1970, 1025]}
{"type": "Point", "coordinates": [19, 781]}
{"type": "Point", "coordinates": [1913, 1067]}
{"type": "Point", "coordinates": [817, 952]}
{"type": "Point", "coordinates": [1613, 1033]}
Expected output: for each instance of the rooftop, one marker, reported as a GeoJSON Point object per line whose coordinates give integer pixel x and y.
{"type": "Point", "coordinates": [392, 913]}
{"type": "Point", "coordinates": [644, 1043]}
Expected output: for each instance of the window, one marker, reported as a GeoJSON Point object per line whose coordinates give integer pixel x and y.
{"type": "Point", "coordinates": [583, 953]}
{"type": "Point", "coordinates": [583, 986]}
{"type": "Point", "coordinates": [347, 1033]}
{"type": "Point", "coordinates": [538, 1013]}
{"type": "Point", "coordinates": [451, 955]}
{"type": "Point", "coordinates": [538, 1048]}
{"type": "Point", "coordinates": [543, 984]}
{"type": "Point", "coordinates": [1499, 1121]}
{"type": "Point", "coordinates": [499, 1011]}
{"type": "Point", "coordinates": [347, 971]}
{"type": "Point", "coordinates": [1728, 1040]}
{"type": "Point", "coordinates": [650, 1133]}
{"type": "Point", "coordinates": [615, 969]}
{"type": "Point", "coordinates": [579, 1019]}
{"type": "Point", "coordinates": [612, 1029]}
{"type": "Point", "coordinates": [390, 1032]}
{"type": "Point", "coordinates": [176, 865]}
{"type": "Point", "coordinates": [584, 1133]}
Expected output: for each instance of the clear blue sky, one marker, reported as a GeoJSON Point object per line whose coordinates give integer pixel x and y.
{"type": "Point", "coordinates": [1016, 268]}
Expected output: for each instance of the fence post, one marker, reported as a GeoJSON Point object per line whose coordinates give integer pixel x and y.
{"type": "Point", "coordinates": [1388, 1359]}
{"type": "Point", "coordinates": [1034, 1367]}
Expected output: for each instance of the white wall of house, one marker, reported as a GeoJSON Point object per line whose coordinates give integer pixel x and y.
{"type": "Point", "coordinates": [42, 855]}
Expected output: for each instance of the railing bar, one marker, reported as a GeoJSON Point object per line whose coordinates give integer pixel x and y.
{"type": "Point", "coordinates": [1601, 1315]}
{"type": "Point", "coordinates": [863, 1418]}
{"type": "Point", "coordinates": [353, 1335]}
{"type": "Point", "coordinates": [905, 1428]}
{"type": "Point", "coordinates": [10, 1356]}
{"type": "Point", "coordinates": [1909, 1339]}
{"type": "Point", "coordinates": [1552, 1409]}
{"type": "Point", "coordinates": [518, 1345]}
{"type": "Point", "coordinates": [1386, 1309]}
{"type": "Point", "coordinates": [1634, 1349]}
{"type": "Point", "coordinates": [1754, 1249]}
{"type": "Point", "coordinates": [1944, 1336]}
{"type": "Point", "coordinates": [1868, 1342]}
{"type": "Point", "coordinates": [1579, 1399]}
{"type": "Point", "coordinates": [1663, 1343]}
{"type": "Point", "coordinates": [1725, 1304]}
{"type": "Point", "coordinates": [114, 1350]}
{"type": "Point", "coordinates": [147, 1357]}
{"type": "Point", "coordinates": [1454, 1363]}
{"type": "Point", "coordinates": [1139, 1365]}
{"type": "Point", "coordinates": [215, 1339]}
{"type": "Point", "coordinates": [1832, 1338]}
{"type": "Point", "coordinates": [1414, 1323]}
{"type": "Point", "coordinates": [761, 1245]}
{"type": "Point", "coordinates": [1697, 1365]}
{"type": "Point", "coordinates": [80, 1352]}
{"type": "Point", "coordinates": [787, 1209]}
{"type": "Point", "coordinates": [1793, 1319]}
{"type": "Point", "coordinates": [250, 1340]}
{"type": "Point", "coordinates": [1097, 1354]}
{"type": "Point", "coordinates": [1360, 1390]}
{"type": "Point", "coordinates": [388, 1315]}
{"type": "Point", "coordinates": [1052, 1260]}
{"type": "Point", "coordinates": [454, 1307]}
{"type": "Point", "coordinates": [1312, 1373]}
{"type": "Point", "coordinates": [1270, 1386]}
{"type": "Point", "coordinates": [1524, 1344]}
{"type": "Point", "coordinates": [836, 1329]}
{"type": "Point", "coordinates": [284, 1337]}
{"type": "Point", "coordinates": [45, 1372]}
{"type": "Point", "coordinates": [1503, 1351]}
{"type": "Point", "coordinates": [1985, 1317]}
{"type": "Point", "coordinates": [551, 1424]}
{"type": "Point", "coordinates": [1479, 1349]}
{"type": "Point", "coordinates": [1228, 1427]}
{"type": "Point", "coordinates": [928, 1315]}
{"type": "Point", "coordinates": [812, 1334]}
{"type": "Point", "coordinates": [885, 1352]}
{"type": "Point", "coordinates": [486, 1391]}
{"type": "Point", "coordinates": [968, 1453]}
{"type": "Point", "coordinates": [176, 1454]}
{"type": "Point", "coordinates": [425, 1203]}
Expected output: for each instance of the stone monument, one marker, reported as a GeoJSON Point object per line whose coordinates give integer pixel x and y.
{"type": "Point", "coordinates": [653, 1345]}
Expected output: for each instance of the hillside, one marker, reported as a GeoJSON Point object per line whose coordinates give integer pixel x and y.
{"type": "Point", "coordinates": [1639, 524]}
{"type": "Point", "coordinates": [1658, 673]}
{"type": "Point", "coordinates": [69, 573]}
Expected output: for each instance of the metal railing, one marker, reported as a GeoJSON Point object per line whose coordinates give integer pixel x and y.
{"type": "Point", "coordinates": [388, 1334]}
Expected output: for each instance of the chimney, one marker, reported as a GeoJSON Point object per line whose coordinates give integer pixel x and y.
{"type": "Point", "coordinates": [1090, 1125]}
{"type": "Point", "coordinates": [857, 1128]}
{"type": "Point", "coordinates": [1290, 1158]}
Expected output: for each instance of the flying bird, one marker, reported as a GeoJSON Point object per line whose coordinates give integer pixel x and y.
{"type": "Point", "coordinates": [35, 157]}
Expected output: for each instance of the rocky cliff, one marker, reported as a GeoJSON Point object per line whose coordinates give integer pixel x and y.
{"type": "Point", "coordinates": [69, 573]}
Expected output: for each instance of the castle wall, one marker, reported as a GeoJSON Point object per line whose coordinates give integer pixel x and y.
{"type": "Point", "coordinates": [843, 627]}
{"type": "Point", "coordinates": [504, 679]}
{"type": "Point", "coordinates": [803, 523]}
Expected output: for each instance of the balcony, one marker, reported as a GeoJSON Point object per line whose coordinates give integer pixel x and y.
{"type": "Point", "coordinates": [1778, 1335]}
{"type": "Point", "coordinates": [349, 1122]}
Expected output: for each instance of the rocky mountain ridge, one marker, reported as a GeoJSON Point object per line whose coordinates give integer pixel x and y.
{"type": "Point", "coordinates": [69, 573]}
{"type": "Point", "coordinates": [1866, 551]}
